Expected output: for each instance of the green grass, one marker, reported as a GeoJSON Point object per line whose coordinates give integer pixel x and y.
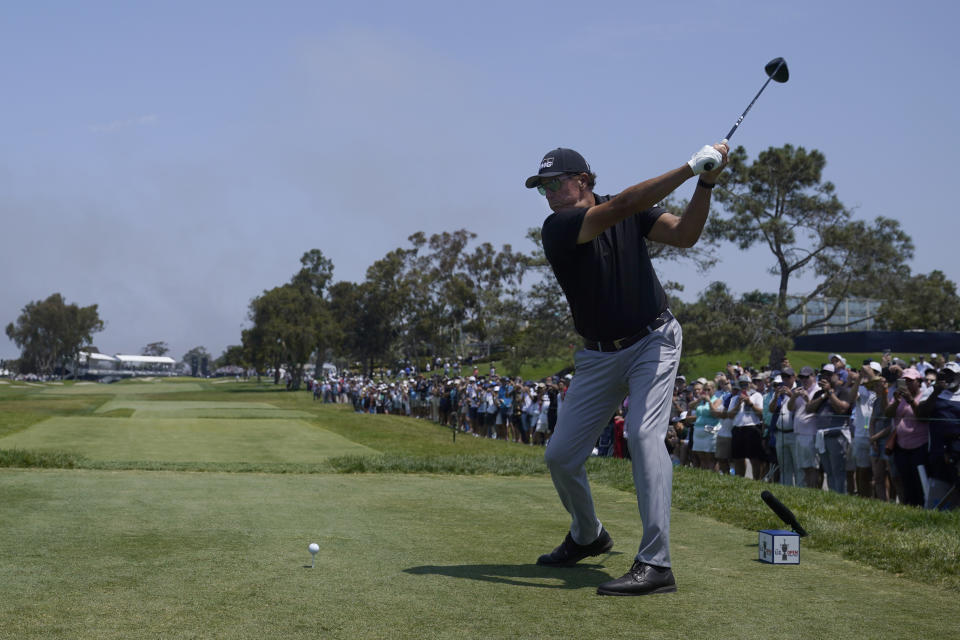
{"type": "Point", "coordinates": [185, 439]}
{"type": "Point", "coordinates": [110, 531]}
{"type": "Point", "coordinates": [903, 540]}
{"type": "Point", "coordinates": [402, 556]}
{"type": "Point", "coordinates": [196, 409]}
{"type": "Point", "coordinates": [20, 409]}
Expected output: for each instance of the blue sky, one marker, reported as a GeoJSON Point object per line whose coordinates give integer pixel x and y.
{"type": "Point", "coordinates": [171, 160]}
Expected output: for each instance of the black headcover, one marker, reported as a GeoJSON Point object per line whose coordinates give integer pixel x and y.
{"type": "Point", "coordinates": [785, 514]}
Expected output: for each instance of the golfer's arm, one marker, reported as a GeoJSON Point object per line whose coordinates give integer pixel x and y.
{"type": "Point", "coordinates": [631, 201]}
{"type": "Point", "coordinates": [683, 231]}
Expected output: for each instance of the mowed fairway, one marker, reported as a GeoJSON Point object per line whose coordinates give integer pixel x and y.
{"type": "Point", "coordinates": [185, 439]}
{"type": "Point", "coordinates": [92, 554]}
{"type": "Point", "coordinates": [129, 427]}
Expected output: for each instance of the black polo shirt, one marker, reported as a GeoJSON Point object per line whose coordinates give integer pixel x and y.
{"type": "Point", "coordinates": [609, 282]}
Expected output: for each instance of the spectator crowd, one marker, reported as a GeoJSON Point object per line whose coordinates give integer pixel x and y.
{"type": "Point", "coordinates": [486, 406]}
{"type": "Point", "coordinates": [886, 429]}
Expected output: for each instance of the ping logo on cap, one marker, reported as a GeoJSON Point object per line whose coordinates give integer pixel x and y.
{"type": "Point", "coordinates": [547, 163]}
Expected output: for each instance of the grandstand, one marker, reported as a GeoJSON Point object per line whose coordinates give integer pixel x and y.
{"type": "Point", "coordinates": [106, 368]}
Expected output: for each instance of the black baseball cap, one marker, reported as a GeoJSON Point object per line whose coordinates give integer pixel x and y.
{"type": "Point", "coordinates": [558, 162]}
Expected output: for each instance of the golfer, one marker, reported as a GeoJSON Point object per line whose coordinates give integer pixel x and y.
{"type": "Point", "coordinates": [597, 248]}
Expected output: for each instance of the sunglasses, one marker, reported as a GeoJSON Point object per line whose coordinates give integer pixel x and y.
{"type": "Point", "coordinates": [553, 184]}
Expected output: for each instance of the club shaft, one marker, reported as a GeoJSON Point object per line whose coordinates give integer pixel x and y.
{"type": "Point", "coordinates": [744, 114]}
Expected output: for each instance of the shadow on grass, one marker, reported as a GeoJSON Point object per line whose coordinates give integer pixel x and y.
{"type": "Point", "coordinates": [521, 575]}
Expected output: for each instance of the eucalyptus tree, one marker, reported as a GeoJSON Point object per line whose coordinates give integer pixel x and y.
{"type": "Point", "coordinates": [51, 333]}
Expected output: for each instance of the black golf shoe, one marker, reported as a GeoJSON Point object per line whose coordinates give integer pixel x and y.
{"type": "Point", "coordinates": [570, 553]}
{"type": "Point", "coordinates": [641, 580]}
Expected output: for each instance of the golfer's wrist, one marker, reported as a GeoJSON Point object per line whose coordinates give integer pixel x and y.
{"type": "Point", "coordinates": [704, 184]}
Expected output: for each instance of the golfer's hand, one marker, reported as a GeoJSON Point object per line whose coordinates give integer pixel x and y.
{"type": "Point", "coordinates": [714, 175]}
{"type": "Point", "coordinates": [706, 159]}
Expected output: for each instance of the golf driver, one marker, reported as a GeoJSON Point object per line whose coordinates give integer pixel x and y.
{"type": "Point", "coordinates": [777, 71]}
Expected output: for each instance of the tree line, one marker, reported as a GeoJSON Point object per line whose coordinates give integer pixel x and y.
{"type": "Point", "coordinates": [443, 296]}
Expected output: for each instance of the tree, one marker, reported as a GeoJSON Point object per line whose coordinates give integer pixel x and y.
{"type": "Point", "coordinates": [232, 356]}
{"type": "Point", "coordinates": [284, 330]}
{"type": "Point", "coordinates": [496, 277]}
{"type": "Point", "coordinates": [718, 322]}
{"type": "Point", "coordinates": [51, 333]}
{"type": "Point", "coordinates": [780, 201]}
{"type": "Point", "coordinates": [344, 304]}
{"type": "Point", "coordinates": [155, 349]}
{"type": "Point", "coordinates": [198, 360]}
{"type": "Point", "coordinates": [384, 302]}
{"type": "Point", "coordinates": [292, 322]}
{"type": "Point", "coordinates": [444, 294]}
{"type": "Point", "coordinates": [316, 272]}
{"type": "Point", "coordinates": [424, 301]}
{"type": "Point", "coordinates": [927, 302]}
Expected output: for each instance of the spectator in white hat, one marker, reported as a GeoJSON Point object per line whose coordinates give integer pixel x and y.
{"type": "Point", "coordinates": [839, 366]}
{"type": "Point", "coordinates": [910, 437]}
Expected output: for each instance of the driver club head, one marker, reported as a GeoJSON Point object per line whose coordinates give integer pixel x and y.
{"type": "Point", "coordinates": [777, 70]}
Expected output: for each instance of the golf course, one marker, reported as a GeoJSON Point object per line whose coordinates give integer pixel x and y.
{"type": "Point", "coordinates": [184, 508]}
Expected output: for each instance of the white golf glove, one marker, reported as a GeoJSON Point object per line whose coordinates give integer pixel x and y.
{"type": "Point", "coordinates": [707, 159]}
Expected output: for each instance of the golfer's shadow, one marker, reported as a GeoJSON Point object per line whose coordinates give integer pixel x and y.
{"type": "Point", "coordinates": [521, 575]}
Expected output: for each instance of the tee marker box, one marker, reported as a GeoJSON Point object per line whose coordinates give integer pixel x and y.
{"type": "Point", "coordinates": [779, 547]}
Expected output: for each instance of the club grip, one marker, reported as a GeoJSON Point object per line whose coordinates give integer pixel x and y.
{"type": "Point", "coordinates": [783, 512]}
{"type": "Point", "coordinates": [709, 165]}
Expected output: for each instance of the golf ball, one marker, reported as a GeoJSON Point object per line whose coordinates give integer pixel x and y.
{"type": "Point", "coordinates": [314, 547]}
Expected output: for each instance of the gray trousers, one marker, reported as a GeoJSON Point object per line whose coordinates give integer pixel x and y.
{"type": "Point", "coordinates": [646, 371]}
{"type": "Point", "coordinates": [790, 472]}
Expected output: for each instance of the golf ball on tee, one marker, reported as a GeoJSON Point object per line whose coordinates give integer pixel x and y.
{"type": "Point", "coordinates": [314, 547]}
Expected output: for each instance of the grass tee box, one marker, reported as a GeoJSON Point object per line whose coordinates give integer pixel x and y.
{"type": "Point", "coordinates": [132, 554]}
{"type": "Point", "coordinates": [184, 439]}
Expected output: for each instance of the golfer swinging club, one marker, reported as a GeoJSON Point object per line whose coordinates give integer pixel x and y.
{"type": "Point", "coordinates": [596, 246]}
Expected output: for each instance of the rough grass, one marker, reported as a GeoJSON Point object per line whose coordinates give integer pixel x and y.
{"type": "Point", "coordinates": [27, 459]}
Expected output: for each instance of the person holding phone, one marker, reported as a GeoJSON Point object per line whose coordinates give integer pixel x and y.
{"type": "Point", "coordinates": [707, 411]}
{"type": "Point", "coordinates": [832, 404]}
{"type": "Point", "coordinates": [910, 435]}
{"type": "Point", "coordinates": [786, 440]}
